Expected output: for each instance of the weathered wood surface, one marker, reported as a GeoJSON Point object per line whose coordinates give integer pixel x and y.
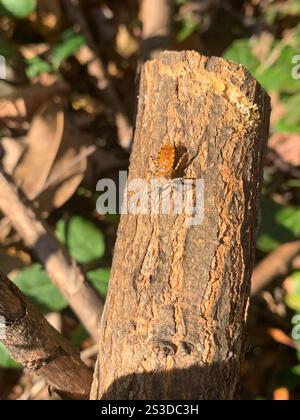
{"type": "Point", "coordinates": [34, 343]}
{"type": "Point", "coordinates": [174, 321]}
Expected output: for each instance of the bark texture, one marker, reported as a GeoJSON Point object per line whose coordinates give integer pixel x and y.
{"type": "Point", "coordinates": [174, 320]}
{"type": "Point", "coordinates": [34, 343]}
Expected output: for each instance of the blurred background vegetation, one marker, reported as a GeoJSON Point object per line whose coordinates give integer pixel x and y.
{"type": "Point", "coordinates": [66, 111]}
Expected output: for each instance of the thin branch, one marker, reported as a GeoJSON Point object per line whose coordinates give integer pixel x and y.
{"type": "Point", "coordinates": [34, 343]}
{"type": "Point", "coordinates": [276, 264]}
{"type": "Point", "coordinates": [88, 56]}
{"type": "Point", "coordinates": [62, 270]}
{"type": "Point", "coordinates": [155, 16]}
{"type": "Point", "coordinates": [56, 178]}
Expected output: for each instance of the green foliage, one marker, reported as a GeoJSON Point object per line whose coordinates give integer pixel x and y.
{"type": "Point", "coordinates": [69, 44]}
{"type": "Point", "coordinates": [290, 122]}
{"type": "Point", "coordinates": [290, 377]}
{"type": "Point", "coordinates": [279, 224]}
{"type": "Point", "coordinates": [292, 299]}
{"type": "Point", "coordinates": [187, 29]}
{"type": "Point", "coordinates": [100, 278]}
{"type": "Point", "coordinates": [5, 360]}
{"type": "Point", "coordinates": [275, 74]}
{"type": "Point", "coordinates": [6, 49]}
{"type": "Point", "coordinates": [36, 66]}
{"type": "Point", "coordinates": [35, 283]}
{"type": "Point", "coordinates": [19, 8]}
{"type": "Point", "coordinates": [83, 239]}
{"type": "Point", "coordinates": [240, 52]}
{"type": "Point", "coordinates": [79, 336]}
{"type": "Point", "coordinates": [286, 9]}
{"type": "Point", "coordinates": [278, 76]}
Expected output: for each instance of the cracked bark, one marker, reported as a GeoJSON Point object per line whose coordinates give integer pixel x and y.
{"type": "Point", "coordinates": [34, 343]}
{"type": "Point", "coordinates": [174, 320]}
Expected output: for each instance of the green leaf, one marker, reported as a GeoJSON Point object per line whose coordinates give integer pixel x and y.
{"type": "Point", "coordinates": [290, 122]}
{"type": "Point", "coordinates": [79, 335]}
{"type": "Point", "coordinates": [19, 8]}
{"type": "Point", "coordinates": [240, 52]}
{"type": "Point", "coordinates": [278, 76]}
{"type": "Point", "coordinates": [83, 239]}
{"type": "Point", "coordinates": [100, 279]}
{"type": "Point", "coordinates": [60, 231]}
{"type": "Point", "coordinates": [70, 43]}
{"type": "Point", "coordinates": [5, 360]}
{"type": "Point", "coordinates": [292, 299]}
{"type": "Point", "coordinates": [34, 282]}
{"type": "Point", "coordinates": [36, 66]}
{"type": "Point", "coordinates": [279, 224]}
{"type": "Point", "coordinates": [290, 377]}
{"type": "Point", "coordinates": [289, 217]}
{"type": "Point", "coordinates": [188, 28]}
{"type": "Point", "coordinates": [293, 183]}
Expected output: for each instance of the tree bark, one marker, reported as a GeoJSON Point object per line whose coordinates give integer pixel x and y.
{"type": "Point", "coordinates": [62, 270]}
{"type": "Point", "coordinates": [174, 321]}
{"type": "Point", "coordinates": [34, 343]}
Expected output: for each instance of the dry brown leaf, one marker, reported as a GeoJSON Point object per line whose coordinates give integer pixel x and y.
{"type": "Point", "coordinates": [69, 167]}
{"type": "Point", "coordinates": [30, 51]}
{"type": "Point", "coordinates": [13, 150]}
{"type": "Point", "coordinates": [42, 144]}
{"type": "Point", "coordinates": [5, 229]}
{"type": "Point", "coordinates": [57, 151]}
{"type": "Point", "coordinates": [21, 106]}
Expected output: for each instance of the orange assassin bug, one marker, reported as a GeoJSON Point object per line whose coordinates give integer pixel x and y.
{"type": "Point", "coordinates": [170, 160]}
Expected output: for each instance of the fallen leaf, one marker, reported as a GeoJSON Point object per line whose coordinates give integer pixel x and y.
{"type": "Point", "coordinates": [13, 150]}
{"type": "Point", "coordinates": [18, 109]}
{"type": "Point", "coordinates": [42, 144]}
{"type": "Point", "coordinates": [69, 167]}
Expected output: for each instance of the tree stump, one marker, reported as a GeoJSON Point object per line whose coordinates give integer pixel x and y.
{"type": "Point", "coordinates": [174, 321]}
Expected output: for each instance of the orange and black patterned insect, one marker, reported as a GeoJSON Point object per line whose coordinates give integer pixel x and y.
{"type": "Point", "coordinates": [169, 161]}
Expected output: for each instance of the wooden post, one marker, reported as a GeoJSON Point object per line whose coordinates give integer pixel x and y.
{"type": "Point", "coordinates": [174, 320]}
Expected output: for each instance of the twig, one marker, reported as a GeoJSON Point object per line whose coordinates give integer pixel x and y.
{"type": "Point", "coordinates": [155, 16]}
{"type": "Point", "coordinates": [276, 264]}
{"type": "Point", "coordinates": [62, 270]}
{"type": "Point", "coordinates": [34, 343]}
{"type": "Point", "coordinates": [56, 178]}
{"type": "Point", "coordinates": [89, 56]}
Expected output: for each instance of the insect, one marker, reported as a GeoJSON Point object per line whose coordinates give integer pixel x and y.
{"type": "Point", "coordinates": [171, 161]}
